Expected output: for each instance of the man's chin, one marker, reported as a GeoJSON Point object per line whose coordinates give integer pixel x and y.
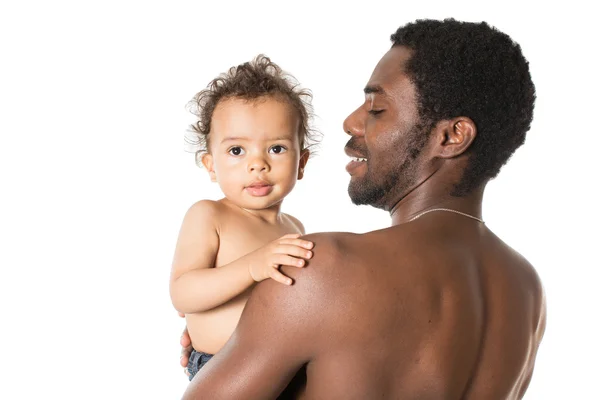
{"type": "Point", "coordinates": [358, 201]}
{"type": "Point", "coordinates": [363, 196]}
{"type": "Point", "coordinates": [355, 196]}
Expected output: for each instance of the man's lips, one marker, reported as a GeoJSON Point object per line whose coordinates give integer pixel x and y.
{"type": "Point", "coordinates": [353, 153]}
{"type": "Point", "coordinates": [356, 164]}
{"type": "Point", "coordinates": [355, 148]}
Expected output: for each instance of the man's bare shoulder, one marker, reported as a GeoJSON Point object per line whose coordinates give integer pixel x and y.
{"type": "Point", "coordinates": [527, 271]}
{"type": "Point", "coordinates": [335, 250]}
{"type": "Point", "coordinates": [314, 285]}
{"type": "Point", "coordinates": [330, 246]}
{"type": "Point", "coordinates": [330, 254]}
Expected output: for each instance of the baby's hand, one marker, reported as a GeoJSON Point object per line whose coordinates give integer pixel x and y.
{"type": "Point", "coordinates": [264, 263]}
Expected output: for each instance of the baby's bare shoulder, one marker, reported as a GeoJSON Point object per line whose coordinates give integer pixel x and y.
{"type": "Point", "coordinates": [294, 223]}
{"type": "Point", "coordinates": [206, 210]}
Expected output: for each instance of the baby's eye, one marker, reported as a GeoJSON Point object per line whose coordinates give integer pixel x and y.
{"type": "Point", "coordinates": [277, 149]}
{"type": "Point", "coordinates": [236, 151]}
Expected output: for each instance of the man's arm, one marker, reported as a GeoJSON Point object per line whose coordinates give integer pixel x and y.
{"type": "Point", "coordinates": [539, 335]}
{"type": "Point", "coordinates": [281, 329]}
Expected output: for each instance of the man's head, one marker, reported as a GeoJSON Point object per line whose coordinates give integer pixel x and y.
{"type": "Point", "coordinates": [460, 90]}
{"type": "Point", "coordinates": [253, 131]}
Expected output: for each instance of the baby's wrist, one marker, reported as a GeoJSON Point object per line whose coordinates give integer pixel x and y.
{"type": "Point", "coordinates": [250, 272]}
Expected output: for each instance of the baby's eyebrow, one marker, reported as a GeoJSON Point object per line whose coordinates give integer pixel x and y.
{"type": "Point", "coordinates": [245, 138]}
{"type": "Point", "coordinates": [233, 138]}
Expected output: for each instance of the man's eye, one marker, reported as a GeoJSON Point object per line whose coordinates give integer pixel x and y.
{"type": "Point", "coordinates": [277, 149]}
{"type": "Point", "coordinates": [236, 151]}
{"type": "Point", "coordinates": [375, 112]}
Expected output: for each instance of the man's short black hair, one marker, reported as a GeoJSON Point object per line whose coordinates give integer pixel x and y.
{"type": "Point", "coordinates": [472, 70]}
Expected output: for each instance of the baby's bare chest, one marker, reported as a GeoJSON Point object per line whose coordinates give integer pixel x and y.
{"type": "Point", "coordinates": [238, 237]}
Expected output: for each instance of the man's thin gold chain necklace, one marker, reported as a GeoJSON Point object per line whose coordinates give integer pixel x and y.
{"type": "Point", "coordinates": [445, 209]}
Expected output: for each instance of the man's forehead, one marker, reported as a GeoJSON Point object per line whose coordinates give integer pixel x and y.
{"type": "Point", "coordinates": [389, 71]}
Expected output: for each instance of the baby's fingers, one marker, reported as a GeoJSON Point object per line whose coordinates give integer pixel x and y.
{"type": "Point", "coordinates": [284, 259]}
{"type": "Point", "coordinates": [297, 242]}
{"type": "Point", "coordinates": [294, 251]}
{"type": "Point", "coordinates": [279, 277]}
{"type": "Point", "coordinates": [290, 236]}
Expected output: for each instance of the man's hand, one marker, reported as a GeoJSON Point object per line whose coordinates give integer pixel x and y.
{"type": "Point", "coordinates": [264, 263]}
{"type": "Point", "coordinates": [186, 348]}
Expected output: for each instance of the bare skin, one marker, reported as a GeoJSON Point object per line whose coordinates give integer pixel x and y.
{"type": "Point", "coordinates": [240, 234]}
{"type": "Point", "coordinates": [432, 308]}
{"type": "Point", "coordinates": [226, 246]}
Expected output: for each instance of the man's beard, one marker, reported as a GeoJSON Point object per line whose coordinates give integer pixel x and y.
{"type": "Point", "coordinates": [376, 190]}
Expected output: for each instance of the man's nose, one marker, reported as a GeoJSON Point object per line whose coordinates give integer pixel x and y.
{"type": "Point", "coordinates": [258, 164]}
{"type": "Point", "coordinates": [354, 124]}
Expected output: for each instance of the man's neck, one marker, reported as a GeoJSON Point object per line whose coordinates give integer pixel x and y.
{"type": "Point", "coordinates": [431, 196]}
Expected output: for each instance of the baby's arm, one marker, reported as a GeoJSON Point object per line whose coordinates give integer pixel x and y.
{"type": "Point", "coordinates": [196, 287]}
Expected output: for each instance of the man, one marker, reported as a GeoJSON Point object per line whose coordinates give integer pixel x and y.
{"type": "Point", "coordinates": [436, 306]}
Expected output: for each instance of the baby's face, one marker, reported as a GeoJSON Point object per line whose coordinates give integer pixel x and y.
{"type": "Point", "coordinates": [255, 153]}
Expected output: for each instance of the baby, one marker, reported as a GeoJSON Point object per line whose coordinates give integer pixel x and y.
{"type": "Point", "coordinates": [254, 136]}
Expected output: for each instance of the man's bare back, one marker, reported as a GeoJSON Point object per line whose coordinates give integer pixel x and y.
{"type": "Point", "coordinates": [410, 306]}
{"type": "Point", "coordinates": [240, 233]}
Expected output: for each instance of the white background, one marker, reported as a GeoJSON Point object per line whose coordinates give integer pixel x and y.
{"type": "Point", "coordinates": [95, 178]}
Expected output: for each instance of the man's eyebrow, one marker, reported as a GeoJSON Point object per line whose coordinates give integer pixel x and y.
{"type": "Point", "coordinates": [374, 89]}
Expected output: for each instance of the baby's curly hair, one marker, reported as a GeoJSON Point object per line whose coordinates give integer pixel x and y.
{"type": "Point", "coordinates": [473, 70]}
{"type": "Point", "coordinates": [250, 81]}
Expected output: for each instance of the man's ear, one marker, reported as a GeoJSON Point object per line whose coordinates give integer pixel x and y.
{"type": "Point", "coordinates": [207, 161]}
{"type": "Point", "coordinates": [303, 160]}
{"type": "Point", "coordinates": [454, 136]}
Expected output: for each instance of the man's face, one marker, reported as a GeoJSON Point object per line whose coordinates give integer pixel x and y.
{"type": "Point", "coordinates": [386, 135]}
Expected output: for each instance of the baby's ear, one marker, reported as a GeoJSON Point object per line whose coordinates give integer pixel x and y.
{"type": "Point", "coordinates": [304, 154]}
{"type": "Point", "coordinates": [207, 161]}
